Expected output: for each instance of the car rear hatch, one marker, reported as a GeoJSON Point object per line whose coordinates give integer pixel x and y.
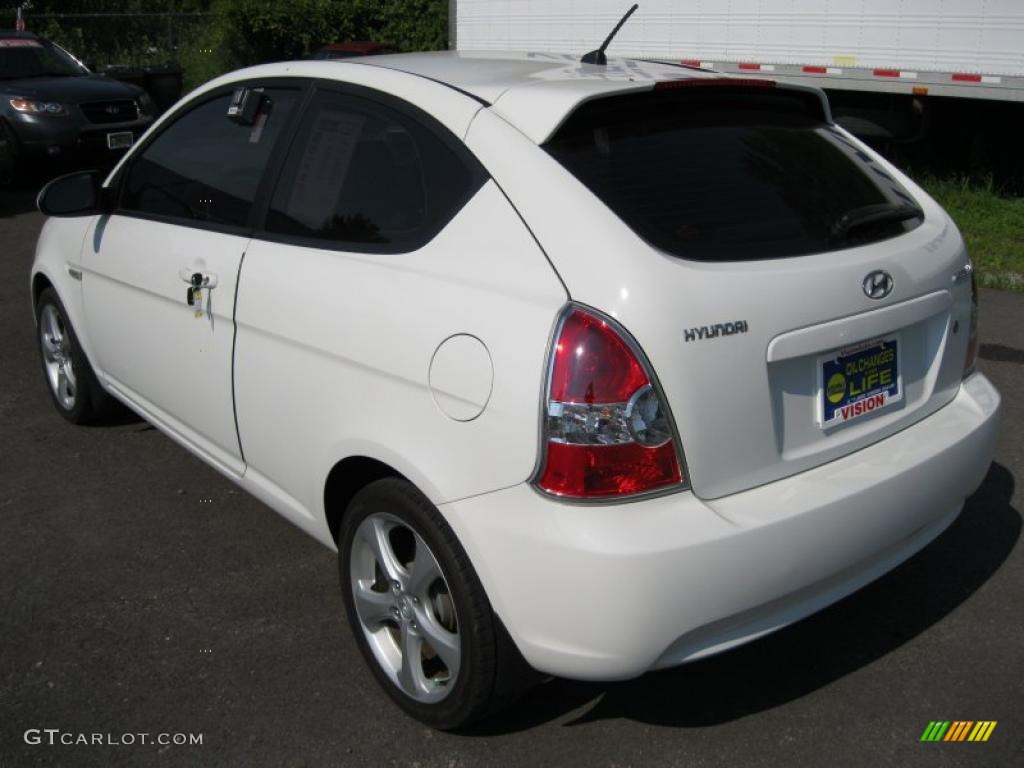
{"type": "Point", "coordinates": [794, 292]}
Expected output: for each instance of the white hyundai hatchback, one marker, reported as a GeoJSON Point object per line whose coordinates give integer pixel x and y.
{"type": "Point", "coordinates": [583, 369]}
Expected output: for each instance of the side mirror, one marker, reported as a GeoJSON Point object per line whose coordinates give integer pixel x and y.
{"type": "Point", "coordinates": [77, 194]}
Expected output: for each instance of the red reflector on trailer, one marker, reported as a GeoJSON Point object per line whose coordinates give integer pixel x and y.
{"type": "Point", "coordinates": [886, 73]}
{"type": "Point", "coordinates": [964, 77]}
{"type": "Point", "coordinates": [690, 63]}
{"type": "Point", "coordinates": [748, 65]}
{"type": "Point", "coordinates": [720, 82]}
{"type": "Point", "coordinates": [816, 70]}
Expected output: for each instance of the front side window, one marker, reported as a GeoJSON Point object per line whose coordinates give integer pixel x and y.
{"type": "Point", "coordinates": [362, 175]}
{"type": "Point", "coordinates": [206, 167]}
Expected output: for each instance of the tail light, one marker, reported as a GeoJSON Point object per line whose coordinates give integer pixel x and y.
{"type": "Point", "coordinates": [607, 431]}
{"type": "Point", "coordinates": [972, 336]}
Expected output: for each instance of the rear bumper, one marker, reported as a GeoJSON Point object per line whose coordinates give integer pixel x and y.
{"type": "Point", "coordinates": [609, 592]}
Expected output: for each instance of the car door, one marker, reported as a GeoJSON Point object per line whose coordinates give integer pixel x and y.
{"type": "Point", "coordinates": [392, 305]}
{"type": "Point", "coordinates": [182, 220]}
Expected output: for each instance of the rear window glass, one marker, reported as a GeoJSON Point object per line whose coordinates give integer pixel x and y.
{"type": "Point", "coordinates": [729, 174]}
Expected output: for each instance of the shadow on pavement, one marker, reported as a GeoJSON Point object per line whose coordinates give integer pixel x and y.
{"type": "Point", "coordinates": [19, 197]}
{"type": "Point", "coordinates": [1001, 354]}
{"type": "Point", "coordinates": [789, 664]}
{"type": "Point", "coordinates": [120, 415]}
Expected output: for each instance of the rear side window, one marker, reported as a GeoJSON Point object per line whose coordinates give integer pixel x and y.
{"type": "Point", "coordinates": [727, 174]}
{"type": "Point", "coordinates": [204, 167]}
{"type": "Point", "coordinates": [361, 175]}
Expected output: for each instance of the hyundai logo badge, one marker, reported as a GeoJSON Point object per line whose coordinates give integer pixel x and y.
{"type": "Point", "coordinates": [878, 284]}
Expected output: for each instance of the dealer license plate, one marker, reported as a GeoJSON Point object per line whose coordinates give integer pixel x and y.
{"type": "Point", "coordinates": [858, 380]}
{"type": "Point", "coordinates": [120, 140]}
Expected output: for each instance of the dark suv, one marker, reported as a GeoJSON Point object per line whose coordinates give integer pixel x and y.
{"type": "Point", "coordinates": [52, 106]}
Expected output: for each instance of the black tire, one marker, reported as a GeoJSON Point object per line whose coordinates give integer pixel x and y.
{"type": "Point", "coordinates": [91, 403]}
{"type": "Point", "coordinates": [492, 672]}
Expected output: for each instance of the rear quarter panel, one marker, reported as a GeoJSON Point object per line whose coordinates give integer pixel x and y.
{"type": "Point", "coordinates": [334, 350]}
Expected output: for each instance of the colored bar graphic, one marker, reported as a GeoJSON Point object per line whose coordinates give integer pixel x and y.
{"type": "Point", "coordinates": [935, 730]}
{"type": "Point", "coordinates": [958, 730]}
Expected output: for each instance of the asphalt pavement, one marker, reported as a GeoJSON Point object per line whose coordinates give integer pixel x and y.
{"type": "Point", "coordinates": [141, 592]}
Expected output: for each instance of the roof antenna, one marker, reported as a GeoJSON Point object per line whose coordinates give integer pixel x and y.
{"type": "Point", "coordinates": [598, 57]}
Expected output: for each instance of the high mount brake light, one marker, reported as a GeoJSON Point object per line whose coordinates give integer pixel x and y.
{"type": "Point", "coordinates": [607, 432]}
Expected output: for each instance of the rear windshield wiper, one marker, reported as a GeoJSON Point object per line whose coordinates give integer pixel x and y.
{"type": "Point", "coordinates": [867, 215]}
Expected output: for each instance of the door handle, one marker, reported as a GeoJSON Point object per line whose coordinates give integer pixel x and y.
{"type": "Point", "coordinates": [196, 282]}
{"type": "Point", "coordinates": [206, 279]}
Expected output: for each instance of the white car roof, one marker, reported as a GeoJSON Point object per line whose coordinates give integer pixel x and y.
{"type": "Point", "coordinates": [488, 75]}
{"type": "Point", "coordinates": [533, 91]}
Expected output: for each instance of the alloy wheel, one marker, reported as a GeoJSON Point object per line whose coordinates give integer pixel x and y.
{"type": "Point", "coordinates": [56, 345]}
{"type": "Point", "coordinates": [405, 608]}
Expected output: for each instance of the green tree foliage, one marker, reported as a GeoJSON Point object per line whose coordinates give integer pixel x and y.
{"type": "Point", "coordinates": [413, 25]}
{"type": "Point", "coordinates": [257, 31]}
{"type": "Point", "coordinates": [116, 32]}
{"type": "Point", "coordinates": [230, 33]}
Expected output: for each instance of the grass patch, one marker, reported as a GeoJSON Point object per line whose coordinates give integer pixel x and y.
{"type": "Point", "coordinates": [992, 226]}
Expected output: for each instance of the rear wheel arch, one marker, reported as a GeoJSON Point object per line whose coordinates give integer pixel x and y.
{"type": "Point", "coordinates": [491, 672]}
{"type": "Point", "coordinates": [345, 480]}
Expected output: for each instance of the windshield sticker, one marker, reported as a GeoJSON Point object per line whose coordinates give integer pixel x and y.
{"type": "Point", "coordinates": [257, 128]}
{"type": "Point", "coordinates": [324, 165]}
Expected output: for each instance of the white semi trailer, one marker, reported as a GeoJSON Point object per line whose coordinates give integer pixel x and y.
{"type": "Point", "coordinates": [944, 75]}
